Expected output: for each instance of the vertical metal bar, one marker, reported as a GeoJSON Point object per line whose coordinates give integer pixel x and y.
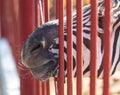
{"type": "Point", "coordinates": [79, 44]}
{"type": "Point", "coordinates": [107, 47]}
{"type": "Point", "coordinates": [36, 22]}
{"type": "Point", "coordinates": [37, 13]}
{"type": "Point", "coordinates": [57, 9]}
{"type": "Point", "coordinates": [40, 88]}
{"type": "Point", "coordinates": [43, 9]}
{"type": "Point", "coordinates": [17, 36]}
{"type": "Point", "coordinates": [46, 86]}
{"type": "Point", "coordinates": [42, 2]}
{"type": "Point", "coordinates": [93, 46]}
{"type": "Point", "coordinates": [69, 49]}
{"type": "Point", "coordinates": [56, 81]}
{"type": "Point", "coordinates": [46, 10]}
{"type": "Point", "coordinates": [61, 49]}
{"type": "Point", "coordinates": [45, 18]}
{"type": "Point", "coordinates": [41, 12]}
{"type": "Point", "coordinates": [0, 18]}
{"type": "Point", "coordinates": [26, 26]}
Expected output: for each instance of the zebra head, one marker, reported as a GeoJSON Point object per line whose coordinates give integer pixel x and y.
{"type": "Point", "coordinates": [36, 54]}
{"type": "Point", "coordinates": [40, 52]}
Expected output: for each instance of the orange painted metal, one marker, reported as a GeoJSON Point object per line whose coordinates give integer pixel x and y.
{"type": "Point", "coordinates": [17, 21]}
{"type": "Point", "coordinates": [45, 15]}
{"type": "Point", "coordinates": [25, 15]}
{"type": "Point", "coordinates": [46, 10]}
{"type": "Point", "coordinates": [61, 49]}
{"type": "Point", "coordinates": [57, 9]}
{"type": "Point", "coordinates": [93, 47]}
{"type": "Point", "coordinates": [79, 44]}
{"type": "Point", "coordinates": [26, 26]}
{"type": "Point", "coordinates": [69, 49]}
{"type": "Point", "coordinates": [107, 47]}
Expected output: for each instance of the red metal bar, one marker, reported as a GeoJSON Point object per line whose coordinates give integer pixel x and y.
{"type": "Point", "coordinates": [40, 89]}
{"type": "Point", "coordinates": [61, 49]}
{"type": "Point", "coordinates": [46, 10]}
{"type": "Point", "coordinates": [16, 32]}
{"type": "Point", "coordinates": [0, 19]}
{"type": "Point", "coordinates": [57, 9]}
{"type": "Point", "coordinates": [45, 85]}
{"type": "Point", "coordinates": [107, 47]}
{"type": "Point", "coordinates": [43, 9]}
{"type": "Point", "coordinates": [69, 49]}
{"type": "Point", "coordinates": [26, 26]}
{"type": "Point", "coordinates": [41, 12]}
{"type": "Point", "coordinates": [79, 44]}
{"type": "Point", "coordinates": [93, 47]}
{"type": "Point", "coordinates": [44, 89]}
{"type": "Point", "coordinates": [36, 16]}
{"type": "Point", "coordinates": [37, 13]}
{"type": "Point", "coordinates": [9, 21]}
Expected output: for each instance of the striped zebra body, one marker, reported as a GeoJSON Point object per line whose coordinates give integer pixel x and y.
{"type": "Point", "coordinates": [115, 40]}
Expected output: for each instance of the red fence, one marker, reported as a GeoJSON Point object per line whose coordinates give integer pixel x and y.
{"type": "Point", "coordinates": [20, 17]}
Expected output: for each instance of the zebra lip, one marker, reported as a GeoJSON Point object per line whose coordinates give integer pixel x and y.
{"type": "Point", "coordinates": [45, 71]}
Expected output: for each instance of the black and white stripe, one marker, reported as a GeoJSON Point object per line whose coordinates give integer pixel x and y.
{"type": "Point", "coordinates": [86, 40]}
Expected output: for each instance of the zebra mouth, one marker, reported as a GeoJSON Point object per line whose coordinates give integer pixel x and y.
{"type": "Point", "coordinates": [44, 72]}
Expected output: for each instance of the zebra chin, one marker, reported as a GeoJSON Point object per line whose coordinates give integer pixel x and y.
{"type": "Point", "coordinates": [44, 72]}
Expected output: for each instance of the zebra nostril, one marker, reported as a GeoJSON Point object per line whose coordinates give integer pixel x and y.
{"type": "Point", "coordinates": [37, 47]}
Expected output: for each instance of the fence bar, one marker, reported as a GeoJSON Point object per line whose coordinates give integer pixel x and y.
{"type": "Point", "coordinates": [40, 88]}
{"type": "Point", "coordinates": [37, 23]}
{"type": "Point", "coordinates": [26, 26]}
{"type": "Point", "coordinates": [93, 46]}
{"type": "Point", "coordinates": [37, 13]}
{"type": "Point", "coordinates": [45, 15]}
{"type": "Point", "coordinates": [57, 9]}
{"type": "Point", "coordinates": [79, 44]}
{"type": "Point", "coordinates": [0, 18]}
{"type": "Point", "coordinates": [69, 49]}
{"type": "Point", "coordinates": [107, 47]}
{"type": "Point", "coordinates": [46, 10]}
{"type": "Point", "coordinates": [44, 88]}
{"type": "Point", "coordinates": [61, 49]}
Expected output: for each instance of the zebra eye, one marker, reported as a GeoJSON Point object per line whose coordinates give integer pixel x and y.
{"type": "Point", "coordinates": [51, 46]}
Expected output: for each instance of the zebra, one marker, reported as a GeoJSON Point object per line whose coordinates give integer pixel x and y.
{"type": "Point", "coordinates": [40, 53]}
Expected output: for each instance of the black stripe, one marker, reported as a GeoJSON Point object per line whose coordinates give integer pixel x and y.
{"type": "Point", "coordinates": [86, 31]}
{"type": "Point", "coordinates": [65, 50]}
{"type": "Point", "coordinates": [86, 70]}
{"type": "Point", "coordinates": [74, 63]}
{"type": "Point", "coordinates": [115, 43]}
{"type": "Point", "coordinates": [100, 70]}
{"type": "Point", "coordinates": [56, 46]}
{"type": "Point", "coordinates": [118, 20]}
{"type": "Point", "coordinates": [86, 42]}
{"type": "Point", "coordinates": [74, 45]}
{"type": "Point", "coordinates": [116, 64]}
